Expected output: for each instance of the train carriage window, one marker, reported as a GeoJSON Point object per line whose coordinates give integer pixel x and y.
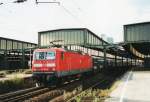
{"type": "Point", "coordinates": [62, 55]}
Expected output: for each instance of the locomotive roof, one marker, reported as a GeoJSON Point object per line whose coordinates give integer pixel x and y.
{"type": "Point", "coordinates": [50, 49]}
{"type": "Point", "coordinates": [58, 49]}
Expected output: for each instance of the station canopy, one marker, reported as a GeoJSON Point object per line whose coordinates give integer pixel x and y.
{"type": "Point", "coordinates": [137, 39]}
{"type": "Point", "coordinates": [78, 36]}
{"type": "Point", "coordinates": [7, 44]}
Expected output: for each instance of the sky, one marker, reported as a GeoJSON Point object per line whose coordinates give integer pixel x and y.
{"type": "Point", "coordinates": [23, 21]}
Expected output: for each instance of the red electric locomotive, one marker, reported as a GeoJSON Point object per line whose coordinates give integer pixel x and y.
{"type": "Point", "coordinates": [51, 64]}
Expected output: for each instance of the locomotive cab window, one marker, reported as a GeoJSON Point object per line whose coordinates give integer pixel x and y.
{"type": "Point", "coordinates": [50, 55]}
{"type": "Point", "coordinates": [44, 55]}
{"type": "Point", "coordinates": [39, 55]}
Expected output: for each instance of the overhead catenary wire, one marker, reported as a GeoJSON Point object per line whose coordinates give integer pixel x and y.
{"type": "Point", "coordinates": [78, 7]}
{"type": "Point", "coordinates": [7, 4]}
{"type": "Point", "coordinates": [74, 16]}
{"type": "Point", "coordinates": [54, 2]}
{"type": "Point", "coordinates": [65, 9]}
{"type": "Point", "coordinates": [1, 3]}
{"type": "Point", "coordinates": [57, 2]}
{"type": "Point", "coordinates": [60, 4]}
{"type": "Point", "coordinates": [85, 24]}
{"type": "Point", "coordinates": [14, 1]}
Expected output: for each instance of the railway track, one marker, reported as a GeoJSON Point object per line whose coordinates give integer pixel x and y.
{"type": "Point", "coordinates": [45, 94]}
{"type": "Point", "coordinates": [70, 96]}
{"type": "Point", "coordinates": [45, 97]}
{"type": "Point", "coordinates": [73, 89]}
{"type": "Point", "coordinates": [84, 91]}
{"type": "Point", "coordinates": [27, 94]}
{"type": "Point", "coordinates": [105, 83]}
{"type": "Point", "coordinates": [23, 94]}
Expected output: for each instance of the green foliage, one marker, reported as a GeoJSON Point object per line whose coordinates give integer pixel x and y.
{"type": "Point", "coordinates": [9, 85]}
{"type": "Point", "coordinates": [2, 74]}
{"type": "Point", "coordinates": [95, 95]}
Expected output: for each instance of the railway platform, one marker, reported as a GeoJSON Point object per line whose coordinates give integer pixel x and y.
{"type": "Point", "coordinates": [133, 87]}
{"type": "Point", "coordinates": [15, 75]}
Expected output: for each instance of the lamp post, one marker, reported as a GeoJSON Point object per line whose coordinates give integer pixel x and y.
{"type": "Point", "coordinates": [30, 60]}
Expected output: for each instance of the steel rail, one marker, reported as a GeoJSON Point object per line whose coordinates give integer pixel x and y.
{"type": "Point", "coordinates": [22, 94]}
{"type": "Point", "coordinates": [12, 94]}
{"type": "Point", "coordinates": [27, 95]}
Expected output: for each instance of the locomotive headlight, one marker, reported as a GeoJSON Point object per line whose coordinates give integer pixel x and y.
{"type": "Point", "coordinates": [51, 65]}
{"type": "Point", "coordinates": [37, 65]}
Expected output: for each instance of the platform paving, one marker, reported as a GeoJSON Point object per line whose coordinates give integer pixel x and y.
{"type": "Point", "coordinates": [133, 87]}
